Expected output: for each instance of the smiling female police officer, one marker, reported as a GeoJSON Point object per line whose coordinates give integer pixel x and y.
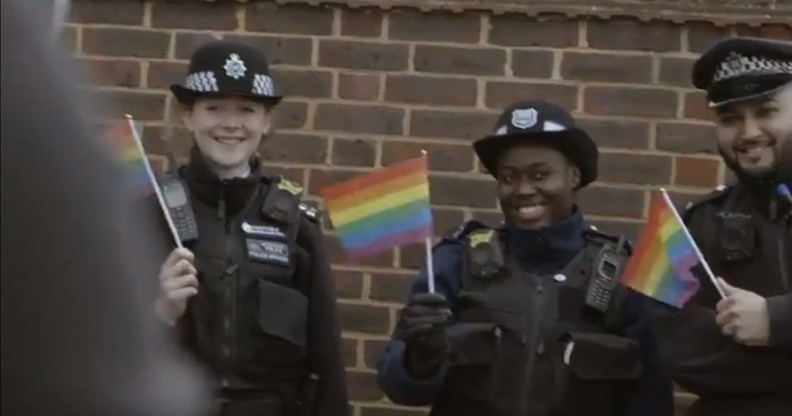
{"type": "Point", "coordinates": [516, 327]}
{"type": "Point", "coordinates": [252, 294]}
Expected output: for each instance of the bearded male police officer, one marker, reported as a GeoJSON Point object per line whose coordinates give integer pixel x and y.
{"type": "Point", "coordinates": [527, 319]}
{"type": "Point", "coordinates": [736, 354]}
{"type": "Point", "coordinates": [251, 295]}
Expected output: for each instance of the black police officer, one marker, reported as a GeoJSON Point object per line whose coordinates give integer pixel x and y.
{"type": "Point", "coordinates": [251, 294]}
{"type": "Point", "coordinates": [736, 353]}
{"type": "Point", "coordinates": [511, 329]}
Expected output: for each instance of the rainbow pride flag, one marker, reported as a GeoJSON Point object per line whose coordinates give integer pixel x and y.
{"type": "Point", "coordinates": [661, 264]}
{"type": "Point", "coordinates": [387, 208]}
{"type": "Point", "coordinates": [124, 143]}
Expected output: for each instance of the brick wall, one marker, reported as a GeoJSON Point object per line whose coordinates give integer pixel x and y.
{"type": "Point", "coordinates": [368, 86]}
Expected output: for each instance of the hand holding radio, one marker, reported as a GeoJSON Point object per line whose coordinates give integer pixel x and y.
{"type": "Point", "coordinates": [178, 283]}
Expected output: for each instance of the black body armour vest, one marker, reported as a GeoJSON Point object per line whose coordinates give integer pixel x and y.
{"type": "Point", "coordinates": [508, 348]}
{"type": "Point", "coordinates": [248, 322]}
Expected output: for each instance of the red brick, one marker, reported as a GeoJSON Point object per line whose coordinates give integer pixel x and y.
{"type": "Point", "coordinates": [454, 60]}
{"type": "Point", "coordinates": [373, 349]}
{"type": "Point", "coordinates": [112, 73]}
{"type": "Point", "coordinates": [158, 141]}
{"type": "Point", "coordinates": [142, 106]}
{"type": "Point", "coordinates": [162, 74]}
{"type": "Point", "coordinates": [466, 125]}
{"type": "Point", "coordinates": [292, 18]}
{"type": "Point", "coordinates": [354, 86]}
{"type": "Point", "coordinates": [703, 35]}
{"type": "Point", "coordinates": [303, 83]}
{"type": "Point", "coordinates": [363, 386]}
{"type": "Point", "coordinates": [364, 318]}
{"type": "Point", "coordinates": [194, 15]}
{"type": "Point", "coordinates": [686, 138]}
{"type": "Point", "coordinates": [469, 193]}
{"type": "Point", "coordinates": [417, 89]}
{"type": "Point", "coordinates": [116, 12]}
{"type": "Point", "coordinates": [349, 351]}
{"type": "Point", "coordinates": [676, 72]}
{"type": "Point", "coordinates": [348, 284]}
{"type": "Point", "coordinates": [434, 26]}
{"type": "Point", "coordinates": [696, 106]}
{"type": "Point", "coordinates": [384, 411]}
{"type": "Point", "coordinates": [339, 257]}
{"type": "Point", "coordinates": [623, 134]}
{"type": "Point", "coordinates": [390, 287]}
{"type": "Point", "coordinates": [521, 30]}
{"type": "Point", "coordinates": [280, 49]}
{"type": "Point", "coordinates": [187, 43]}
{"type": "Point", "coordinates": [290, 114]}
{"type": "Point", "coordinates": [361, 55]}
{"type": "Point", "coordinates": [627, 101]}
{"type": "Point", "coordinates": [354, 152]}
{"type": "Point", "coordinates": [501, 94]}
{"type": "Point", "coordinates": [633, 35]}
{"type": "Point", "coordinates": [299, 148]}
{"type": "Point", "coordinates": [363, 22]}
{"type": "Point", "coordinates": [442, 157]}
{"type": "Point", "coordinates": [606, 67]}
{"type": "Point", "coordinates": [321, 178]}
{"type": "Point", "coordinates": [768, 31]}
{"type": "Point", "coordinates": [532, 64]}
{"type": "Point", "coordinates": [125, 42]}
{"type": "Point", "coordinates": [693, 171]}
{"type": "Point", "coordinates": [599, 200]}
{"type": "Point", "coordinates": [351, 118]}
{"type": "Point", "coordinates": [634, 169]}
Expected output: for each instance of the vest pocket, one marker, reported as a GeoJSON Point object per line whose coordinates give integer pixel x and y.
{"type": "Point", "coordinates": [283, 313]}
{"type": "Point", "coordinates": [598, 367]}
{"type": "Point", "coordinates": [473, 343]}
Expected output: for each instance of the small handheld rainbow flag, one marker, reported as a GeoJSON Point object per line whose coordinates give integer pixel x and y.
{"type": "Point", "coordinates": [381, 210]}
{"type": "Point", "coordinates": [661, 264]}
{"type": "Point", "coordinates": [124, 143]}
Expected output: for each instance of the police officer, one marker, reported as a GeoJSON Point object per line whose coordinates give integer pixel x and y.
{"type": "Point", "coordinates": [736, 353]}
{"type": "Point", "coordinates": [525, 319]}
{"type": "Point", "coordinates": [251, 293]}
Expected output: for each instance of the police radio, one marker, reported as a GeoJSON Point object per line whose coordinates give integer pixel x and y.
{"type": "Point", "coordinates": [607, 269]}
{"type": "Point", "coordinates": [179, 207]}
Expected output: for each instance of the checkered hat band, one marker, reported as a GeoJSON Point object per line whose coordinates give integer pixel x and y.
{"type": "Point", "coordinates": [262, 85]}
{"type": "Point", "coordinates": [737, 65]}
{"type": "Point", "coordinates": [204, 81]}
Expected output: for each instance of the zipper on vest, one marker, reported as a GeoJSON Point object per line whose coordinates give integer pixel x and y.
{"type": "Point", "coordinates": [781, 263]}
{"type": "Point", "coordinates": [531, 345]}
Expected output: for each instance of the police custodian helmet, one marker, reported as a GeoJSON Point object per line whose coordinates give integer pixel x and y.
{"type": "Point", "coordinates": [743, 68]}
{"type": "Point", "coordinates": [534, 120]}
{"type": "Point", "coordinates": [221, 68]}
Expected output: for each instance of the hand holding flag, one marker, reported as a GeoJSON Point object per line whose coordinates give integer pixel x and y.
{"type": "Point", "coordinates": [743, 315]}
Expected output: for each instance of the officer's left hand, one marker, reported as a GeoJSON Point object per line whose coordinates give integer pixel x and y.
{"type": "Point", "coordinates": [743, 315]}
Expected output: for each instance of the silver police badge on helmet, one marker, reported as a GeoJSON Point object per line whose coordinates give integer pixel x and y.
{"type": "Point", "coordinates": [524, 118]}
{"type": "Point", "coordinates": [235, 67]}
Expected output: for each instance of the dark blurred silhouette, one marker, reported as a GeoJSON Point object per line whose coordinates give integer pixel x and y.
{"type": "Point", "coordinates": [79, 332]}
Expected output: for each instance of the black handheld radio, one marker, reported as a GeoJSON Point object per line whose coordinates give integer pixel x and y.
{"type": "Point", "coordinates": [606, 271]}
{"type": "Point", "coordinates": [179, 207]}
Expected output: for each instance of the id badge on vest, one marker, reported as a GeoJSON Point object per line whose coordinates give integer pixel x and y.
{"type": "Point", "coordinates": [266, 244]}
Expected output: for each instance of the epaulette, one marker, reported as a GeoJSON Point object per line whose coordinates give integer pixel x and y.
{"type": "Point", "coordinates": [282, 200]}
{"type": "Point", "coordinates": [309, 212]}
{"type": "Point", "coordinates": [719, 192]}
{"type": "Point", "coordinates": [466, 228]}
{"type": "Point", "coordinates": [591, 233]}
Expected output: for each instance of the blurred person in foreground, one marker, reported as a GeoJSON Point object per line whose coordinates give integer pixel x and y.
{"type": "Point", "coordinates": [736, 353]}
{"type": "Point", "coordinates": [78, 334]}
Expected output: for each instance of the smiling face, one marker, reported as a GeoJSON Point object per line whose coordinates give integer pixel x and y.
{"type": "Point", "coordinates": [227, 131]}
{"type": "Point", "coordinates": [755, 136]}
{"type": "Point", "coordinates": [536, 185]}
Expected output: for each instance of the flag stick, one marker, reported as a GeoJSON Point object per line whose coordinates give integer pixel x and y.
{"type": "Point", "coordinates": [429, 262]}
{"type": "Point", "coordinates": [711, 275]}
{"type": "Point", "coordinates": [154, 183]}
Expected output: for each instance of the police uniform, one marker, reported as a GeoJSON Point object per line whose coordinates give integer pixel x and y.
{"type": "Point", "coordinates": [743, 231]}
{"type": "Point", "coordinates": [537, 329]}
{"type": "Point", "coordinates": [264, 319]}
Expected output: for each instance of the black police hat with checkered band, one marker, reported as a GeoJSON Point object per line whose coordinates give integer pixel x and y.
{"type": "Point", "coordinates": [743, 68]}
{"type": "Point", "coordinates": [222, 68]}
{"type": "Point", "coordinates": [543, 122]}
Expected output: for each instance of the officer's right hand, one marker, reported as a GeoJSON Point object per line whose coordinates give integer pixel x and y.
{"type": "Point", "coordinates": [423, 323]}
{"type": "Point", "coordinates": [178, 283]}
